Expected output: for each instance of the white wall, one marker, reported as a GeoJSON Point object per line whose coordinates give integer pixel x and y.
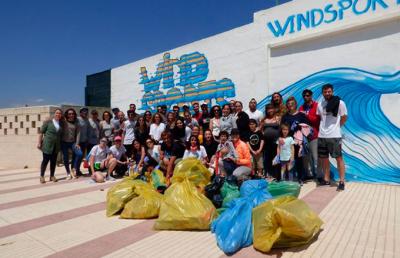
{"type": "Point", "coordinates": [239, 55]}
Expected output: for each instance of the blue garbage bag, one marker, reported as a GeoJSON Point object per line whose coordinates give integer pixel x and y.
{"type": "Point", "coordinates": [256, 191]}
{"type": "Point", "coordinates": [233, 228]}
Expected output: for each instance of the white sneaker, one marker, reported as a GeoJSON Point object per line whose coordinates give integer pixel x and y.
{"type": "Point", "coordinates": [69, 177]}
{"type": "Point", "coordinates": [110, 178]}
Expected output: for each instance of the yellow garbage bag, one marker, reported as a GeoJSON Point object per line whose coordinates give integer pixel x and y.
{"type": "Point", "coordinates": [284, 222]}
{"type": "Point", "coordinates": [193, 170]}
{"type": "Point", "coordinates": [145, 206]}
{"type": "Point", "coordinates": [185, 208]}
{"type": "Point", "coordinates": [120, 194]}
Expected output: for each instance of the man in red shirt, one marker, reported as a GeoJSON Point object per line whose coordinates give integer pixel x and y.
{"type": "Point", "coordinates": [196, 109]}
{"type": "Point", "coordinates": [309, 108]}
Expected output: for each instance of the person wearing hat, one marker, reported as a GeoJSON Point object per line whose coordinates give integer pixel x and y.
{"type": "Point", "coordinates": [115, 119]}
{"type": "Point", "coordinates": [83, 123]}
{"type": "Point", "coordinates": [118, 151]}
{"type": "Point", "coordinates": [101, 160]}
{"type": "Point", "coordinates": [204, 121]}
{"type": "Point", "coordinates": [94, 130]}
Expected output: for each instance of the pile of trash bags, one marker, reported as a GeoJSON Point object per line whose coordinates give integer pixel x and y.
{"type": "Point", "coordinates": [233, 228]}
{"type": "Point", "coordinates": [267, 215]}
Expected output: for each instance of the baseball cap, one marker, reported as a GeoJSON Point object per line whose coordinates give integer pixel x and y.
{"type": "Point", "coordinates": [118, 138]}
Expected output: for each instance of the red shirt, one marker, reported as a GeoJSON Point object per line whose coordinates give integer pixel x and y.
{"type": "Point", "coordinates": [311, 114]}
{"type": "Point", "coordinates": [197, 116]}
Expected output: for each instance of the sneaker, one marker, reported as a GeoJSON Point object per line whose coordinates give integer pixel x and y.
{"type": "Point", "coordinates": [69, 177]}
{"type": "Point", "coordinates": [78, 174]}
{"type": "Point", "coordinates": [301, 182]}
{"type": "Point", "coordinates": [53, 178]}
{"type": "Point", "coordinates": [324, 182]}
{"type": "Point", "coordinates": [110, 178]}
{"type": "Point", "coordinates": [340, 186]}
{"type": "Point", "coordinates": [42, 180]}
{"type": "Point", "coordinates": [73, 173]}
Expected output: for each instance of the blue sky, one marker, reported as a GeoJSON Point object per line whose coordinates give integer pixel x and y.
{"type": "Point", "coordinates": [48, 47]}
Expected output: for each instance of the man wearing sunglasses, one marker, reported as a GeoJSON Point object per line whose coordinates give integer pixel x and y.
{"type": "Point", "coordinates": [309, 108]}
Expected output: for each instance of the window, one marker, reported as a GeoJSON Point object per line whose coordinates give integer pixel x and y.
{"type": "Point", "coordinates": [38, 130]}
{"type": "Point", "coordinates": [5, 131]}
{"type": "Point", "coordinates": [10, 125]}
{"type": "Point", "coordinates": [27, 118]}
{"type": "Point", "coordinates": [1, 125]}
{"type": "Point", "coordinates": [21, 124]}
{"type": "Point", "coordinates": [16, 119]}
{"type": "Point", "coordinates": [27, 130]}
{"type": "Point", "coordinates": [38, 117]}
{"type": "Point", "coordinates": [33, 124]}
{"type": "Point", "coordinates": [16, 131]}
{"type": "Point", "coordinates": [5, 119]}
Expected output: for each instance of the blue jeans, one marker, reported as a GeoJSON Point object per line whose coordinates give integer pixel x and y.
{"type": "Point", "coordinates": [76, 155]}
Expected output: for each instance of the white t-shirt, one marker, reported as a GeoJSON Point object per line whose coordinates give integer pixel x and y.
{"type": "Point", "coordinates": [118, 152]}
{"type": "Point", "coordinates": [156, 130]}
{"type": "Point", "coordinates": [330, 125]}
{"type": "Point", "coordinates": [155, 153]}
{"type": "Point", "coordinates": [257, 115]}
{"type": "Point", "coordinates": [198, 154]}
{"type": "Point", "coordinates": [286, 148]}
{"type": "Point", "coordinates": [129, 130]}
{"type": "Point", "coordinates": [56, 124]}
{"type": "Point", "coordinates": [99, 154]}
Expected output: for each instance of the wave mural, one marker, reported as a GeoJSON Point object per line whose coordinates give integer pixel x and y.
{"type": "Point", "coordinates": [371, 144]}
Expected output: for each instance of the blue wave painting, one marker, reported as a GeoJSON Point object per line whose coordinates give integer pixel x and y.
{"type": "Point", "coordinates": [371, 144]}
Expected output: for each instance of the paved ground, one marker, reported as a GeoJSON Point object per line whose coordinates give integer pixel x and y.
{"type": "Point", "coordinates": [67, 219]}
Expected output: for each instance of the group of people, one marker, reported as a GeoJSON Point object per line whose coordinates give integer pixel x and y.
{"type": "Point", "coordinates": [287, 142]}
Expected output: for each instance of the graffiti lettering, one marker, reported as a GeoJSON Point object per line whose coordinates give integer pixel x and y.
{"type": "Point", "coordinates": [187, 85]}
{"type": "Point", "coordinates": [330, 13]}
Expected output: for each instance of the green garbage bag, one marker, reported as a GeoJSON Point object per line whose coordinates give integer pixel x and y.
{"type": "Point", "coordinates": [284, 188]}
{"type": "Point", "coordinates": [228, 193]}
{"type": "Point", "coordinates": [145, 205]}
{"type": "Point", "coordinates": [157, 179]}
{"type": "Point", "coordinates": [283, 222]}
{"type": "Point", "coordinates": [120, 194]}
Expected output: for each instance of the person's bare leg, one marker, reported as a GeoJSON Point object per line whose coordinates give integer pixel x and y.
{"type": "Point", "coordinates": [111, 166]}
{"type": "Point", "coordinates": [341, 167]}
{"type": "Point", "coordinates": [326, 168]}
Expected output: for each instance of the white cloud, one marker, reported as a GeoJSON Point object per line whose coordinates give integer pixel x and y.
{"type": "Point", "coordinates": [39, 100]}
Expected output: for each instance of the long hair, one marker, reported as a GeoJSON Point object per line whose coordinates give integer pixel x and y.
{"type": "Point", "coordinates": [66, 114]}
{"type": "Point", "coordinates": [189, 143]}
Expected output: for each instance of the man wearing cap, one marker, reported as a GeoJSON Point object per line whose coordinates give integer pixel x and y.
{"type": "Point", "coordinates": [128, 134]}
{"type": "Point", "coordinates": [118, 151]}
{"type": "Point", "coordinates": [94, 129]}
{"type": "Point", "coordinates": [83, 123]}
{"type": "Point", "coordinates": [115, 119]}
{"type": "Point", "coordinates": [204, 121]}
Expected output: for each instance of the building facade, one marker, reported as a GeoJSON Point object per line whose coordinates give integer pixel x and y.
{"type": "Point", "coordinates": [353, 45]}
{"type": "Point", "coordinates": [19, 130]}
